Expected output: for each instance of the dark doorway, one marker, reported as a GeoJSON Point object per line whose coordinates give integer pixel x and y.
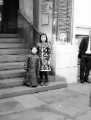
{"type": "Point", "coordinates": [9, 16]}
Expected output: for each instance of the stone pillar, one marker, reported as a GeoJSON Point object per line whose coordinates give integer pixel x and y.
{"type": "Point", "coordinates": [66, 54]}
{"type": "Point", "coordinates": [46, 24]}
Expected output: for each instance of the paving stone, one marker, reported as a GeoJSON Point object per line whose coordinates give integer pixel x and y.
{"type": "Point", "coordinates": [57, 95]}
{"type": "Point", "coordinates": [10, 107]}
{"type": "Point", "coordinates": [85, 116]}
{"type": "Point", "coordinates": [68, 119]}
{"type": "Point", "coordinates": [29, 101]}
{"type": "Point", "coordinates": [33, 115]}
{"type": "Point", "coordinates": [18, 104]}
{"type": "Point", "coordinates": [62, 104]}
{"type": "Point", "coordinates": [71, 106]}
{"type": "Point", "coordinates": [81, 88]}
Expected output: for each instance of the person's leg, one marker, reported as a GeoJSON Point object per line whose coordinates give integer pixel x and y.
{"type": "Point", "coordinates": [41, 77]}
{"type": "Point", "coordinates": [86, 75]}
{"type": "Point", "coordinates": [25, 78]}
{"type": "Point", "coordinates": [46, 77]}
{"type": "Point", "coordinates": [82, 69]}
{"type": "Point", "coordinates": [87, 68]}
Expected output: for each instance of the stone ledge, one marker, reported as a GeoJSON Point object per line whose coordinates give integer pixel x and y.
{"type": "Point", "coordinates": [21, 90]}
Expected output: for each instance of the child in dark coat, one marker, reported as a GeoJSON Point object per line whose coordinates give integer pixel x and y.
{"type": "Point", "coordinates": [32, 68]}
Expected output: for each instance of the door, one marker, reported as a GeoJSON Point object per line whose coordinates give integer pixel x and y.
{"type": "Point", "coordinates": [9, 15]}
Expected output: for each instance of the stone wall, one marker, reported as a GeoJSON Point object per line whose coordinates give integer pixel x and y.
{"type": "Point", "coordinates": [45, 17]}
{"type": "Point", "coordinates": [26, 8]}
{"type": "Point", "coordinates": [63, 10]}
{"type": "Point", "coordinates": [28, 21]}
{"type": "Point", "coordinates": [25, 30]}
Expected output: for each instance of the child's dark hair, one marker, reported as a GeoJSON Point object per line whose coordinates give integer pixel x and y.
{"type": "Point", "coordinates": [45, 35]}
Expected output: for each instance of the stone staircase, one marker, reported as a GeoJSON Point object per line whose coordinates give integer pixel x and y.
{"type": "Point", "coordinates": [12, 54]}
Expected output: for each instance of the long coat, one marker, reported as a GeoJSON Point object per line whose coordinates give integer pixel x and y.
{"type": "Point", "coordinates": [32, 70]}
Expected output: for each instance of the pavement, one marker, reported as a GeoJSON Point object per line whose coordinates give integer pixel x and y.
{"type": "Point", "coordinates": [70, 103]}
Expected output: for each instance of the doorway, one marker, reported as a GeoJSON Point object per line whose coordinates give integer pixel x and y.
{"type": "Point", "coordinates": [9, 11]}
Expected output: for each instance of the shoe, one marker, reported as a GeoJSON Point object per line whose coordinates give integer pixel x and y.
{"type": "Point", "coordinates": [87, 81]}
{"type": "Point", "coordinates": [34, 86]}
{"type": "Point", "coordinates": [27, 84]}
{"type": "Point", "coordinates": [41, 84]}
{"type": "Point", "coordinates": [82, 81]}
{"type": "Point", "coordinates": [46, 83]}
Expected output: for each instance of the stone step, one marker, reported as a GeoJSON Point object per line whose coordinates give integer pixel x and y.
{"type": "Point", "coordinates": [11, 45]}
{"type": "Point", "coordinates": [9, 35]}
{"type": "Point", "coordinates": [21, 90]}
{"type": "Point", "coordinates": [12, 58]}
{"type": "Point", "coordinates": [11, 65]}
{"type": "Point", "coordinates": [7, 83]}
{"type": "Point", "coordinates": [10, 40]}
{"type": "Point", "coordinates": [12, 51]}
{"type": "Point", "coordinates": [6, 74]}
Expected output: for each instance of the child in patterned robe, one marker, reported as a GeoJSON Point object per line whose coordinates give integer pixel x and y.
{"type": "Point", "coordinates": [44, 55]}
{"type": "Point", "coordinates": [32, 68]}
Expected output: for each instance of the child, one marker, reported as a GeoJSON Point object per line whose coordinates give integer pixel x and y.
{"type": "Point", "coordinates": [44, 55]}
{"type": "Point", "coordinates": [32, 68]}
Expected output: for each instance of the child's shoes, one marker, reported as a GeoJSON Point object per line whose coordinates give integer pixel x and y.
{"type": "Point", "coordinates": [46, 84]}
{"type": "Point", "coordinates": [41, 84]}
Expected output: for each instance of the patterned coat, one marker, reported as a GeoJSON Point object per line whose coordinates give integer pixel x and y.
{"type": "Point", "coordinates": [32, 70]}
{"type": "Point", "coordinates": [44, 52]}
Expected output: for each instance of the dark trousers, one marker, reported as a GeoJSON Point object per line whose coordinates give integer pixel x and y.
{"type": "Point", "coordinates": [85, 67]}
{"type": "Point", "coordinates": [43, 76]}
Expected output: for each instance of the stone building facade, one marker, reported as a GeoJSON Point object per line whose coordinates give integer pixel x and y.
{"type": "Point", "coordinates": [63, 16]}
{"type": "Point", "coordinates": [55, 18]}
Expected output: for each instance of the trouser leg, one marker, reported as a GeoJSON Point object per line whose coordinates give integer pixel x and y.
{"type": "Point", "coordinates": [46, 76]}
{"type": "Point", "coordinates": [88, 67]}
{"type": "Point", "coordinates": [86, 74]}
{"type": "Point", "coordinates": [41, 76]}
{"type": "Point", "coordinates": [82, 69]}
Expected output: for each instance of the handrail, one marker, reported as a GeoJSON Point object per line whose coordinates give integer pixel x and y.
{"type": "Point", "coordinates": [28, 20]}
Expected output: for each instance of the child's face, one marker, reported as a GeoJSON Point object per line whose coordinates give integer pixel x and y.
{"type": "Point", "coordinates": [43, 38]}
{"type": "Point", "coordinates": [34, 50]}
